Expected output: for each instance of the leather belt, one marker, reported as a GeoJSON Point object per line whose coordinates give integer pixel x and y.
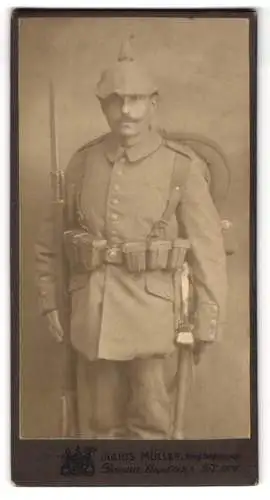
{"type": "Point", "coordinates": [85, 253]}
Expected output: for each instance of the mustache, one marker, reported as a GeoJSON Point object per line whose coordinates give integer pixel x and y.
{"type": "Point", "coordinates": [125, 119]}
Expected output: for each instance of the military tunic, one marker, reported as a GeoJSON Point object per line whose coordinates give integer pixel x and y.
{"type": "Point", "coordinates": [122, 192]}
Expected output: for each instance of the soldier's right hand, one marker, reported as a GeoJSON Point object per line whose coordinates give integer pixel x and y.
{"type": "Point", "coordinates": [55, 326]}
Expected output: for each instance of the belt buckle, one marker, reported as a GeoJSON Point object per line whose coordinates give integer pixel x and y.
{"type": "Point", "coordinates": [113, 255]}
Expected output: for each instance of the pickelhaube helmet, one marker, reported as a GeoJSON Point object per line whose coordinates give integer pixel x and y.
{"type": "Point", "coordinates": [126, 76]}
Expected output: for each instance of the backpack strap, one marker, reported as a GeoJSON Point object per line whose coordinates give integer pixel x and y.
{"type": "Point", "coordinates": [179, 177]}
{"type": "Point", "coordinates": [180, 173]}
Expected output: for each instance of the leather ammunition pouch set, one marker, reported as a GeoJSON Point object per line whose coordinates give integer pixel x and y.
{"type": "Point", "coordinates": [86, 254]}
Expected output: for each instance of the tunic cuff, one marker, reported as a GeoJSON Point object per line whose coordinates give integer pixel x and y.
{"type": "Point", "coordinates": [47, 296]}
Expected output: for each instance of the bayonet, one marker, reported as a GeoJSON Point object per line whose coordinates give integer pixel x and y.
{"type": "Point", "coordinates": [57, 175]}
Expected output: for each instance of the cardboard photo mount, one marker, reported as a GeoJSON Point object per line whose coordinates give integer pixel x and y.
{"type": "Point", "coordinates": [71, 462]}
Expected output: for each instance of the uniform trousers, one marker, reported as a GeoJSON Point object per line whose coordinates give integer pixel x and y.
{"type": "Point", "coordinates": [126, 399]}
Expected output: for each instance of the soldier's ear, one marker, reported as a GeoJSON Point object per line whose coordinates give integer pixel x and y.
{"type": "Point", "coordinates": [101, 102]}
{"type": "Point", "coordinates": [155, 100]}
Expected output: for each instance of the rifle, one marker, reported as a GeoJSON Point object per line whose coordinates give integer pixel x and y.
{"type": "Point", "coordinates": [68, 383]}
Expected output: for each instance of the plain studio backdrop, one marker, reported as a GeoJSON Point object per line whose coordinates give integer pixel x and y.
{"type": "Point", "coordinates": [202, 69]}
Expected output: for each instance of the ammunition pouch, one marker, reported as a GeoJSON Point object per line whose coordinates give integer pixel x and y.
{"type": "Point", "coordinates": [85, 254]}
{"type": "Point", "coordinates": [158, 254]}
{"type": "Point", "coordinates": [135, 256]}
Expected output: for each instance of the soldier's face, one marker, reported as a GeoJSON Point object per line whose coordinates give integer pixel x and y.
{"type": "Point", "coordinates": [129, 115]}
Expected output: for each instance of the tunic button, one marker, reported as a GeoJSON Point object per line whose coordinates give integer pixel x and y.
{"type": "Point", "coordinates": [114, 216]}
{"type": "Point", "coordinates": [115, 201]}
{"type": "Point", "coordinates": [116, 187]}
{"type": "Point", "coordinates": [177, 188]}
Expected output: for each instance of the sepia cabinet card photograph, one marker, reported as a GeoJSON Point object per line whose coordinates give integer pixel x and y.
{"type": "Point", "coordinates": [133, 168]}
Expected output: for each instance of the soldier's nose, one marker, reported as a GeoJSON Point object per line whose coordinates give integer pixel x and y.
{"type": "Point", "coordinates": [125, 106]}
{"type": "Point", "coordinates": [125, 109]}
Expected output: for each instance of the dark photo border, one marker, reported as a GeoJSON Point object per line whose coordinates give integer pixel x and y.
{"type": "Point", "coordinates": [200, 462]}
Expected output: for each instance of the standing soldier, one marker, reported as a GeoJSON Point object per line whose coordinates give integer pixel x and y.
{"type": "Point", "coordinates": [135, 205]}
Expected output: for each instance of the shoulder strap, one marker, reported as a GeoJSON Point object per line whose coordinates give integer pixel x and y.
{"type": "Point", "coordinates": [180, 148]}
{"type": "Point", "coordinates": [212, 160]}
{"type": "Point", "coordinates": [93, 142]}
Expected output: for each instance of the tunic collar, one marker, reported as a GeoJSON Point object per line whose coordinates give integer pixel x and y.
{"type": "Point", "coordinates": [150, 143]}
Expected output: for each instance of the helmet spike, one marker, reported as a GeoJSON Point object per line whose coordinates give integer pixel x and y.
{"type": "Point", "coordinates": [126, 76]}
{"type": "Point", "coordinates": [126, 52]}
